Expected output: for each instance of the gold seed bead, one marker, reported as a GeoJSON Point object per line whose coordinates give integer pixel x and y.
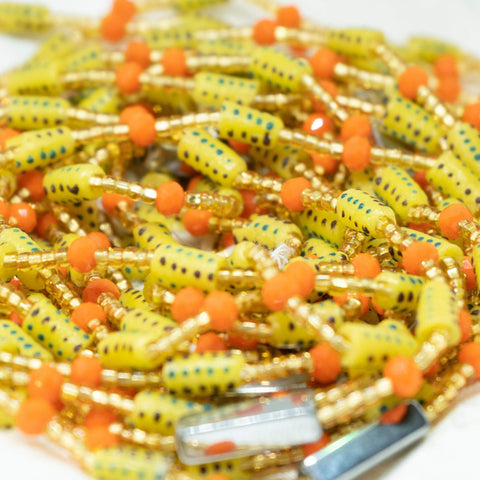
{"type": "Point", "coordinates": [28, 260]}
{"type": "Point", "coordinates": [376, 110]}
{"type": "Point", "coordinates": [121, 257]}
{"type": "Point", "coordinates": [142, 438]}
{"type": "Point", "coordinates": [352, 245]}
{"type": "Point", "coordinates": [431, 350]}
{"type": "Point", "coordinates": [257, 183]}
{"type": "Point", "coordinates": [263, 461]}
{"type": "Point", "coordinates": [64, 296]}
{"type": "Point", "coordinates": [331, 395]}
{"type": "Point", "coordinates": [453, 381]}
{"type": "Point", "coordinates": [15, 299]}
{"type": "Point", "coordinates": [369, 80]}
{"type": "Point", "coordinates": [171, 125]}
{"type": "Point", "coordinates": [219, 205]}
{"type": "Point", "coordinates": [114, 310]}
{"type": "Point", "coordinates": [65, 219]}
{"type": "Point", "coordinates": [395, 64]}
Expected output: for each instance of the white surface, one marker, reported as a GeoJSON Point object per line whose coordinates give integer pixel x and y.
{"type": "Point", "coordinates": [451, 448]}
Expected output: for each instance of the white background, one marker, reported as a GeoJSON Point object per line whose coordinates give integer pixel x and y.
{"type": "Point", "coordinates": [451, 449]}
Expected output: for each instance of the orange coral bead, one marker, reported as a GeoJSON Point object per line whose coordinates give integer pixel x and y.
{"type": "Point", "coordinates": [86, 312]}
{"type": "Point", "coordinates": [196, 222]}
{"type": "Point", "coordinates": [264, 32]}
{"type": "Point", "coordinates": [405, 375]}
{"type": "Point", "coordinates": [366, 265]}
{"type": "Point", "coordinates": [469, 272]}
{"type": "Point", "coordinates": [96, 287]}
{"type": "Point", "coordinates": [86, 371]}
{"type": "Point", "coordinates": [326, 161]}
{"type": "Point", "coordinates": [142, 130]}
{"type": "Point", "coordinates": [303, 274]}
{"type": "Point", "coordinates": [450, 217]}
{"type": "Point", "coordinates": [326, 363]}
{"type": "Point", "coordinates": [111, 200]}
{"type": "Point", "coordinates": [174, 62]}
{"type": "Point", "coordinates": [210, 342]}
{"type": "Point", "coordinates": [410, 80]}
{"type": "Point", "coordinates": [318, 124]}
{"type": "Point", "coordinates": [138, 52]}
{"type": "Point", "coordinates": [188, 302]}
{"type": "Point", "coordinates": [125, 9]}
{"type": "Point", "coordinates": [356, 125]}
{"type": "Point", "coordinates": [127, 77]}
{"type": "Point", "coordinates": [471, 114]}
{"type": "Point", "coordinates": [100, 437]}
{"type": "Point", "coordinates": [170, 198]}
{"type": "Point", "coordinates": [448, 89]}
{"type": "Point", "coordinates": [222, 310]}
{"type": "Point", "coordinates": [356, 153]}
{"type": "Point", "coordinates": [34, 415]}
{"type": "Point", "coordinates": [277, 290]}
{"type": "Point", "coordinates": [23, 216]}
{"type": "Point", "coordinates": [394, 414]}
{"type": "Point", "coordinates": [288, 16]}
{"type": "Point", "coordinates": [445, 66]}
{"type": "Point", "coordinates": [415, 254]}
{"type": "Point", "coordinates": [470, 353]}
{"type": "Point", "coordinates": [113, 27]}
{"type": "Point", "coordinates": [46, 383]}
{"type": "Point", "coordinates": [81, 254]}
{"type": "Point", "coordinates": [323, 63]}
{"type": "Point", "coordinates": [33, 182]}
{"type": "Point", "coordinates": [100, 418]}
{"type": "Point", "coordinates": [465, 324]}
{"type": "Point", "coordinates": [292, 193]}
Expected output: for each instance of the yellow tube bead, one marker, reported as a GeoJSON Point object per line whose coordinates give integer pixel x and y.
{"type": "Point", "coordinates": [361, 211]}
{"type": "Point", "coordinates": [321, 224]}
{"type": "Point", "coordinates": [287, 334]}
{"type": "Point", "coordinates": [57, 46]}
{"type": "Point", "coordinates": [322, 250]}
{"type": "Point", "coordinates": [150, 214]}
{"type": "Point", "coordinates": [30, 112]}
{"type": "Point", "coordinates": [233, 469]}
{"type": "Point", "coordinates": [224, 47]}
{"type": "Point", "coordinates": [248, 125]}
{"type": "Point", "coordinates": [16, 240]}
{"type": "Point", "coordinates": [54, 331]}
{"type": "Point", "coordinates": [87, 212]}
{"type": "Point", "coordinates": [20, 19]}
{"type": "Point", "coordinates": [353, 41]}
{"type": "Point", "coordinates": [203, 374]}
{"type": "Point", "coordinates": [179, 35]}
{"type": "Point", "coordinates": [455, 179]}
{"type": "Point", "coordinates": [464, 142]}
{"type": "Point", "coordinates": [212, 89]}
{"type": "Point", "coordinates": [176, 267]}
{"type": "Point", "coordinates": [40, 148]}
{"type": "Point", "coordinates": [398, 190]}
{"type": "Point", "coordinates": [188, 5]}
{"type": "Point", "coordinates": [127, 350]}
{"type": "Point", "coordinates": [128, 462]}
{"type": "Point", "coordinates": [476, 262]}
{"type": "Point", "coordinates": [443, 246]}
{"type": "Point", "coordinates": [277, 70]}
{"type": "Point", "coordinates": [133, 298]}
{"type": "Point", "coordinates": [139, 320]}
{"type": "Point", "coordinates": [361, 180]}
{"type": "Point", "coordinates": [428, 49]}
{"type": "Point", "coordinates": [158, 412]}
{"type": "Point", "coordinates": [211, 157]}
{"type": "Point", "coordinates": [37, 79]}
{"type": "Point", "coordinates": [14, 340]}
{"type": "Point", "coordinates": [6, 421]}
{"type": "Point", "coordinates": [206, 185]}
{"type": "Point", "coordinates": [372, 345]}
{"type": "Point", "coordinates": [437, 311]}
{"type": "Point", "coordinates": [239, 256]}
{"type": "Point", "coordinates": [152, 235]}
{"type": "Point", "coordinates": [281, 159]}
{"type": "Point", "coordinates": [398, 291]}
{"type": "Point", "coordinates": [72, 183]}
{"type": "Point", "coordinates": [267, 231]}
{"type": "Point", "coordinates": [87, 58]}
{"type": "Point", "coordinates": [410, 123]}
{"type": "Point", "coordinates": [101, 100]}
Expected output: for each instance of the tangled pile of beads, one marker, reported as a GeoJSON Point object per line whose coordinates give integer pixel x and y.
{"type": "Point", "coordinates": [188, 208]}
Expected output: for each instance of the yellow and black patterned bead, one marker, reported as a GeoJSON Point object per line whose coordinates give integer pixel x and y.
{"type": "Point", "coordinates": [322, 251]}
{"type": "Point", "coordinates": [398, 291]}
{"type": "Point", "coordinates": [57, 46]}
{"type": "Point", "coordinates": [464, 142]}
{"type": "Point", "coordinates": [40, 148]}
{"type": "Point", "coordinates": [281, 159]}
{"type": "Point", "coordinates": [408, 122]}
{"type": "Point", "coordinates": [437, 311]}
{"type": "Point", "coordinates": [277, 70]}
{"type": "Point", "coordinates": [203, 374]}
{"type": "Point", "coordinates": [14, 340]}
{"type": "Point", "coordinates": [362, 180]}
{"type": "Point", "coordinates": [267, 230]}
{"type": "Point", "coordinates": [456, 179]}
{"type": "Point", "coordinates": [127, 462]}
{"type": "Point", "coordinates": [428, 49]}
{"type": "Point", "coordinates": [188, 5]}
{"type": "Point", "coordinates": [152, 235]}
{"type": "Point", "coordinates": [133, 298]}
{"type": "Point", "coordinates": [398, 190]}
{"type": "Point", "coordinates": [101, 100]}
{"type": "Point", "coordinates": [353, 41]}
{"type": "Point", "coordinates": [87, 213]}
{"type": "Point", "coordinates": [21, 19]}
{"type": "Point", "coordinates": [72, 183]}
{"type": "Point", "coordinates": [211, 157]}
{"type": "Point", "coordinates": [372, 345]}
{"type": "Point", "coordinates": [29, 113]}
{"type": "Point", "coordinates": [37, 79]}
{"type": "Point", "coordinates": [159, 412]}
{"type": "Point", "coordinates": [57, 333]}
{"type": "Point", "coordinates": [139, 320]}
{"type": "Point", "coordinates": [233, 469]}
{"type": "Point", "coordinates": [224, 47]}
{"type": "Point", "coordinates": [321, 224]}
{"type": "Point", "coordinates": [248, 125]}
{"type": "Point", "coordinates": [88, 58]}
{"type": "Point", "coordinates": [361, 211]}
{"type": "Point", "coordinates": [176, 267]}
{"type": "Point", "coordinates": [16, 240]}
{"type": "Point", "coordinates": [212, 89]}
{"type": "Point", "coordinates": [127, 350]}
